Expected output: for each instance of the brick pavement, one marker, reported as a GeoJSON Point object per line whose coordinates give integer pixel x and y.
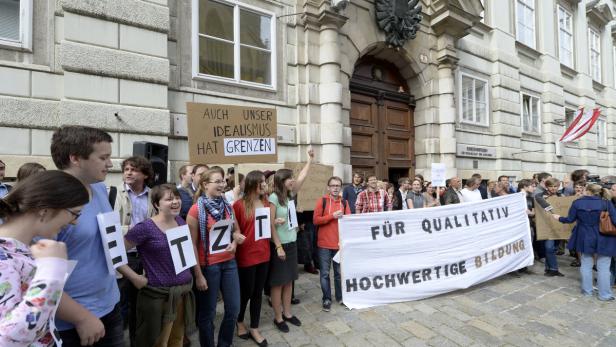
{"type": "Point", "coordinates": [513, 310]}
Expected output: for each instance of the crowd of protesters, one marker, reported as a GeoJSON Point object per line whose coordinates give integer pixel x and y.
{"type": "Point", "coordinates": [49, 217]}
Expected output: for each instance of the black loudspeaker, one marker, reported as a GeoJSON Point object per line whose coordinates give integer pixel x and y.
{"type": "Point", "coordinates": [157, 154]}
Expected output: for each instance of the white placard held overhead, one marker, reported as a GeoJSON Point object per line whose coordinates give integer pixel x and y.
{"type": "Point", "coordinates": [262, 223]}
{"type": "Point", "coordinates": [181, 247]}
{"type": "Point", "coordinates": [292, 215]}
{"type": "Point", "coordinates": [438, 174]}
{"type": "Point", "coordinates": [113, 240]}
{"type": "Point", "coordinates": [221, 236]}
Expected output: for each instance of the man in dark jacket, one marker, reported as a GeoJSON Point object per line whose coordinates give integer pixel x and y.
{"type": "Point", "coordinates": [351, 192]}
{"type": "Point", "coordinates": [400, 194]}
{"type": "Point", "coordinates": [452, 194]}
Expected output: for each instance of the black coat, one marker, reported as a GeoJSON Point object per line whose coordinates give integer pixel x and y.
{"type": "Point", "coordinates": [450, 197]}
{"type": "Point", "coordinates": [398, 199]}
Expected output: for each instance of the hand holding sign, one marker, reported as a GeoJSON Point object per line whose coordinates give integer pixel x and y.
{"type": "Point", "coordinates": [221, 237]}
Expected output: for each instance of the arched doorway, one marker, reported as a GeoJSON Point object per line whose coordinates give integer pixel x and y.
{"type": "Point", "coordinates": [382, 121]}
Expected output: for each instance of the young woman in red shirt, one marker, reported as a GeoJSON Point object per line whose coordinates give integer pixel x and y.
{"type": "Point", "coordinates": [254, 254]}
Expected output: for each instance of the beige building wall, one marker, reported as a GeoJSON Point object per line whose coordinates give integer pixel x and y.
{"type": "Point", "coordinates": [126, 66]}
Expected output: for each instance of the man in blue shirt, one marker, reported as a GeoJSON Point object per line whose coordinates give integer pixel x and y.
{"type": "Point", "coordinates": [351, 192]}
{"type": "Point", "coordinates": [4, 188]}
{"type": "Point", "coordinates": [89, 313]}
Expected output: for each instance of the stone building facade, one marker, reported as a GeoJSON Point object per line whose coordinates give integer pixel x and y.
{"type": "Point", "coordinates": [486, 86]}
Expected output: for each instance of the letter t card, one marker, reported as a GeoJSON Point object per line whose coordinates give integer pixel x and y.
{"type": "Point", "coordinates": [181, 248]}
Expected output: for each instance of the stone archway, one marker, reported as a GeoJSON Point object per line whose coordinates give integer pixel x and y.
{"type": "Point", "coordinates": [381, 120]}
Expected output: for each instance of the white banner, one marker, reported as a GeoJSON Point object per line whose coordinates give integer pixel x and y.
{"type": "Point", "coordinates": [408, 255]}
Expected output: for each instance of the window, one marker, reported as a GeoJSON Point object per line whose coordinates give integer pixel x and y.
{"type": "Point", "coordinates": [594, 41]}
{"type": "Point", "coordinates": [531, 121]}
{"type": "Point", "coordinates": [601, 132]}
{"type": "Point", "coordinates": [525, 22]}
{"type": "Point", "coordinates": [565, 36]}
{"type": "Point", "coordinates": [234, 43]}
{"type": "Point", "coordinates": [473, 100]}
{"type": "Point", "coordinates": [16, 23]}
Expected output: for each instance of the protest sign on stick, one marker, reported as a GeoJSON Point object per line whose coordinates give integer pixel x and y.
{"type": "Point", "coordinates": [315, 185]}
{"type": "Point", "coordinates": [438, 174]}
{"type": "Point", "coordinates": [547, 227]}
{"type": "Point", "coordinates": [227, 134]}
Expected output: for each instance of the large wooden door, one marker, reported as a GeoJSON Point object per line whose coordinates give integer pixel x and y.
{"type": "Point", "coordinates": [382, 121]}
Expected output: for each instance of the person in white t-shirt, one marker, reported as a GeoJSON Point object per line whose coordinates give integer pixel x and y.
{"type": "Point", "coordinates": [471, 191]}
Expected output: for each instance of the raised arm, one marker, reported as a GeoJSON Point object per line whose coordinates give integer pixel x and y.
{"type": "Point", "coordinates": [304, 173]}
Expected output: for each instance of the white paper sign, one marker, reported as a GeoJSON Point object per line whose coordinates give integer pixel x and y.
{"type": "Point", "coordinates": [262, 223]}
{"type": "Point", "coordinates": [413, 254]}
{"type": "Point", "coordinates": [221, 235]}
{"type": "Point", "coordinates": [292, 215]}
{"type": "Point", "coordinates": [181, 247]}
{"type": "Point", "coordinates": [70, 266]}
{"type": "Point", "coordinates": [113, 240]}
{"type": "Point", "coordinates": [253, 146]}
{"type": "Point", "coordinates": [438, 174]}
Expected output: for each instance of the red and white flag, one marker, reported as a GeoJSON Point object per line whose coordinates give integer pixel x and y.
{"type": "Point", "coordinates": [581, 125]}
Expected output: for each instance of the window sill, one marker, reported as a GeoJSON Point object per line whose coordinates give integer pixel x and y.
{"type": "Point", "coordinates": [231, 82]}
{"type": "Point", "coordinates": [474, 124]}
{"type": "Point", "coordinates": [531, 134]}
{"type": "Point", "coordinates": [14, 46]}
{"type": "Point", "coordinates": [527, 51]}
{"type": "Point", "coordinates": [567, 71]}
{"type": "Point", "coordinates": [597, 86]}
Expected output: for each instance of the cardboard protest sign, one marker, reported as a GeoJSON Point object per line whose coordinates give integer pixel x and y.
{"type": "Point", "coordinates": [438, 174]}
{"type": "Point", "coordinates": [227, 134]}
{"type": "Point", "coordinates": [547, 227]}
{"type": "Point", "coordinates": [181, 247]}
{"type": "Point", "coordinates": [221, 235]}
{"type": "Point", "coordinates": [315, 185]}
{"type": "Point", "coordinates": [397, 256]}
{"type": "Point", "coordinates": [292, 215]}
{"type": "Point", "coordinates": [263, 228]}
{"type": "Point", "coordinates": [113, 240]}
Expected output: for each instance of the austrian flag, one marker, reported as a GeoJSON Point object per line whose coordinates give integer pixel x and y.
{"type": "Point", "coordinates": [581, 125]}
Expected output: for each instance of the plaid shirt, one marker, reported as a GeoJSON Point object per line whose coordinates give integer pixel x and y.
{"type": "Point", "coordinates": [372, 201]}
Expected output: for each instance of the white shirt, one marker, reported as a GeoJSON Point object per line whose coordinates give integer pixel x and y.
{"type": "Point", "coordinates": [470, 195]}
{"type": "Point", "coordinates": [403, 195]}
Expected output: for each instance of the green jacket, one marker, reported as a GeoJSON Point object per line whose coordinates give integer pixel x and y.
{"type": "Point", "coordinates": [157, 305]}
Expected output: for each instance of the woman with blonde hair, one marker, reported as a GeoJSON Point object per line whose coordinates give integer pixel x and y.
{"type": "Point", "coordinates": [587, 239]}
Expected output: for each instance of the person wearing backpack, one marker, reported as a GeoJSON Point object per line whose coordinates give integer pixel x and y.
{"type": "Point", "coordinates": [327, 211]}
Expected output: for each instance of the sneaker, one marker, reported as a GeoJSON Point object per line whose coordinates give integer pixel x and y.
{"type": "Point", "coordinates": [293, 320]}
{"type": "Point", "coordinates": [327, 305]}
{"type": "Point", "coordinates": [575, 263]}
{"type": "Point", "coordinates": [553, 273]}
{"type": "Point", "coordinates": [611, 298]}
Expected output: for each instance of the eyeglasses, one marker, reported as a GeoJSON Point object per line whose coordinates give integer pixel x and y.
{"type": "Point", "coordinates": [217, 182]}
{"type": "Point", "coordinates": [76, 215]}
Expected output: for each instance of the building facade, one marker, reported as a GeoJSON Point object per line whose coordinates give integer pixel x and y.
{"type": "Point", "coordinates": [485, 86]}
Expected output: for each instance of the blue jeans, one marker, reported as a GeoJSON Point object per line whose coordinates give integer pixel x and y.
{"type": "Point", "coordinates": [221, 276]}
{"type": "Point", "coordinates": [325, 259]}
{"type": "Point", "coordinates": [550, 255]}
{"type": "Point", "coordinates": [603, 275]}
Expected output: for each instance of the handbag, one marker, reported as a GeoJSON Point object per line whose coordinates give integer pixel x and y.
{"type": "Point", "coordinates": [606, 227]}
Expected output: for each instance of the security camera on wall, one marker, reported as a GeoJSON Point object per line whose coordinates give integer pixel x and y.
{"type": "Point", "coordinates": [339, 5]}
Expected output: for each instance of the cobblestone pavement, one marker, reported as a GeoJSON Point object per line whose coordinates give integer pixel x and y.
{"type": "Point", "coordinates": [513, 310]}
{"type": "Point", "coordinates": [525, 310]}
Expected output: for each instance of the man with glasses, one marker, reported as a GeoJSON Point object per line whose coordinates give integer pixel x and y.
{"type": "Point", "coordinates": [372, 199]}
{"type": "Point", "coordinates": [4, 188]}
{"type": "Point", "coordinates": [327, 211]}
{"type": "Point", "coordinates": [351, 192]}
